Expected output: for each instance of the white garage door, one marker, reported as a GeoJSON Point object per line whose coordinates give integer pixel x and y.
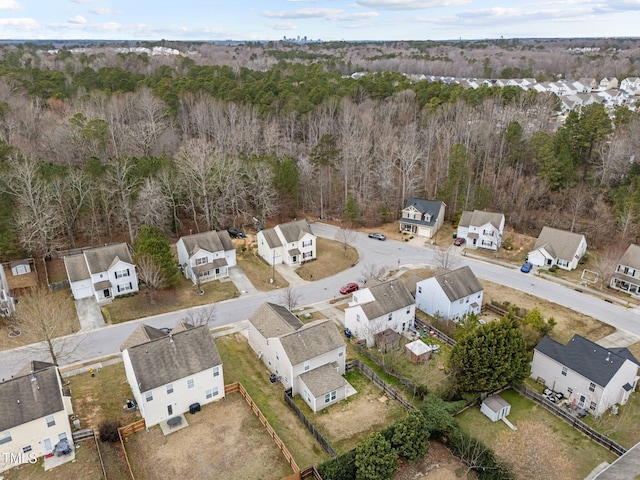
{"type": "Point", "coordinates": [82, 291]}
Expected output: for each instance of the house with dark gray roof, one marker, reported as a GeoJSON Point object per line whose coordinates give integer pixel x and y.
{"type": "Point", "coordinates": [34, 415]}
{"type": "Point", "coordinates": [102, 272]}
{"type": "Point", "coordinates": [372, 310]}
{"type": "Point", "coordinates": [422, 217]}
{"type": "Point", "coordinates": [627, 275]}
{"type": "Point", "coordinates": [171, 372]}
{"type": "Point", "coordinates": [592, 377]}
{"type": "Point", "coordinates": [481, 229]}
{"type": "Point", "coordinates": [291, 243]}
{"type": "Point", "coordinates": [307, 358]}
{"type": "Point", "coordinates": [450, 295]}
{"type": "Point", "coordinates": [206, 256]}
{"type": "Point", "coordinates": [558, 247]}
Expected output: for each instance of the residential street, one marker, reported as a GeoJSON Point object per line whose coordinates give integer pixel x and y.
{"type": "Point", "coordinates": [106, 340]}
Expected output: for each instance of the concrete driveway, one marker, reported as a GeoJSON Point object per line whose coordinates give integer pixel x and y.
{"type": "Point", "coordinates": [89, 314]}
{"type": "Point", "coordinates": [241, 281]}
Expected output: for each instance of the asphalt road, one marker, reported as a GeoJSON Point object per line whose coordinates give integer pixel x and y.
{"type": "Point", "coordinates": [107, 340]}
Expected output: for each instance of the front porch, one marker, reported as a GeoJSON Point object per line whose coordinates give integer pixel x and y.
{"type": "Point", "coordinates": [626, 284]}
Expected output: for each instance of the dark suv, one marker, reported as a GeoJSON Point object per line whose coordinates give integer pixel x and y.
{"type": "Point", "coordinates": [235, 233]}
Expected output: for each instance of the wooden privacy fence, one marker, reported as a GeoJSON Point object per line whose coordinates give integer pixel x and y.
{"type": "Point", "coordinates": [373, 376]}
{"type": "Point", "coordinates": [124, 432]}
{"type": "Point", "coordinates": [307, 423]}
{"type": "Point", "coordinates": [434, 332]}
{"type": "Point", "coordinates": [573, 421]}
{"type": "Point", "coordinates": [237, 387]}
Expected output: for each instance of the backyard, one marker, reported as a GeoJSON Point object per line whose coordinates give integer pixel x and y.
{"type": "Point", "coordinates": [554, 448]}
{"type": "Point", "coordinates": [225, 441]}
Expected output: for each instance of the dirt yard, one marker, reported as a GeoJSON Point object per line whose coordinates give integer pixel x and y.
{"type": "Point", "coordinates": [223, 442]}
{"type": "Point", "coordinates": [438, 464]}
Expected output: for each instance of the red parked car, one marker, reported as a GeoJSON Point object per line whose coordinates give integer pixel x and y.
{"type": "Point", "coordinates": [349, 288]}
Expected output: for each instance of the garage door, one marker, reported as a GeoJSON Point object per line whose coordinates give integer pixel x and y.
{"type": "Point", "coordinates": [82, 291]}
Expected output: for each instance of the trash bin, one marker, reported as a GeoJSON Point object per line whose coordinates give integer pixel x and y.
{"type": "Point", "coordinates": [193, 408]}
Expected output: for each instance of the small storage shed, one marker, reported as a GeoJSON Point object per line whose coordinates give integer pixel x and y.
{"type": "Point", "coordinates": [20, 267]}
{"type": "Point", "coordinates": [495, 407]}
{"type": "Point", "coordinates": [387, 340]}
{"type": "Point", "coordinates": [418, 351]}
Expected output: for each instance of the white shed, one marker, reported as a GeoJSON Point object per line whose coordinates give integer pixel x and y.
{"type": "Point", "coordinates": [495, 407]}
{"type": "Point", "coordinates": [418, 351]}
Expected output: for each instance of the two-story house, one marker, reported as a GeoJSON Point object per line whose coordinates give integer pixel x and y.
{"type": "Point", "coordinates": [627, 275]}
{"type": "Point", "coordinates": [7, 302]}
{"type": "Point", "coordinates": [422, 217]}
{"type": "Point", "coordinates": [171, 372]}
{"type": "Point", "coordinates": [34, 415]}
{"type": "Point", "coordinates": [206, 256]}
{"type": "Point", "coordinates": [450, 295]}
{"type": "Point", "coordinates": [608, 83]}
{"type": "Point", "coordinates": [558, 247]}
{"type": "Point", "coordinates": [103, 272]}
{"type": "Point", "coordinates": [307, 358]}
{"type": "Point", "coordinates": [386, 306]}
{"type": "Point", "coordinates": [590, 376]}
{"type": "Point", "coordinates": [631, 85]}
{"type": "Point", "coordinates": [481, 229]}
{"type": "Point", "coordinates": [291, 243]}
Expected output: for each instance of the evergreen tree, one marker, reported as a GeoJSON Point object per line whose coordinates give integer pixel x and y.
{"type": "Point", "coordinates": [375, 459]}
{"type": "Point", "coordinates": [152, 249]}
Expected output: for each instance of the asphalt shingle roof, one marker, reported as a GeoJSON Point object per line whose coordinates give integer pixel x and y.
{"type": "Point", "coordinates": [323, 379]}
{"type": "Point", "coordinates": [102, 258]}
{"type": "Point", "coordinates": [294, 231]}
{"type": "Point", "coordinates": [631, 257]}
{"type": "Point", "coordinates": [388, 297]}
{"type": "Point", "coordinates": [586, 358]}
{"type": "Point", "coordinates": [273, 320]}
{"type": "Point", "coordinates": [559, 243]}
{"type": "Point", "coordinates": [458, 283]}
{"type": "Point", "coordinates": [423, 206]}
{"type": "Point", "coordinates": [311, 341]}
{"type": "Point", "coordinates": [209, 241]}
{"type": "Point", "coordinates": [76, 268]}
{"type": "Point", "coordinates": [477, 218]}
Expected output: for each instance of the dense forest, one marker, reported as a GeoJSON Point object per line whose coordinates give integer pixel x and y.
{"type": "Point", "coordinates": [96, 143]}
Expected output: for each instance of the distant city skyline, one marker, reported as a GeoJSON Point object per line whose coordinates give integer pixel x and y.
{"type": "Point", "coordinates": [316, 19]}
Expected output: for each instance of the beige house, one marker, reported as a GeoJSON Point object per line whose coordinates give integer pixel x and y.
{"type": "Point", "coordinates": [307, 358]}
{"type": "Point", "coordinates": [422, 217]}
{"type": "Point", "coordinates": [34, 415]}
{"type": "Point", "coordinates": [627, 276]}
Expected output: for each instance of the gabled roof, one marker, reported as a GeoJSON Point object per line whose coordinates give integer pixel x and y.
{"type": "Point", "coordinates": [458, 283]}
{"type": "Point", "coordinates": [495, 403]}
{"type": "Point", "coordinates": [29, 397]}
{"type": "Point", "coordinates": [588, 359]}
{"type": "Point", "coordinates": [294, 231]}
{"type": "Point", "coordinates": [271, 237]}
{"type": "Point", "coordinates": [559, 243]}
{"type": "Point", "coordinates": [388, 297]}
{"type": "Point", "coordinates": [273, 320]}
{"type": "Point", "coordinates": [631, 257]}
{"type": "Point", "coordinates": [209, 241]}
{"type": "Point", "coordinates": [172, 357]}
{"type": "Point", "coordinates": [431, 207]}
{"type": "Point", "coordinates": [76, 267]}
{"type": "Point", "coordinates": [477, 218]}
{"type": "Point", "coordinates": [311, 341]}
{"type": "Point", "coordinates": [102, 258]}
{"type": "Point", "coordinates": [323, 379]}
{"type": "Point", "coordinates": [142, 334]}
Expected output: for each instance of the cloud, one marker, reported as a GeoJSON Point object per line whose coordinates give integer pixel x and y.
{"type": "Point", "coordinates": [283, 26]}
{"type": "Point", "coordinates": [9, 5]}
{"type": "Point", "coordinates": [19, 23]}
{"type": "Point", "coordinates": [409, 4]}
{"type": "Point", "coordinates": [78, 19]}
{"type": "Point", "coordinates": [105, 11]}
{"type": "Point", "coordinates": [81, 1]}
{"type": "Point", "coordinates": [326, 13]}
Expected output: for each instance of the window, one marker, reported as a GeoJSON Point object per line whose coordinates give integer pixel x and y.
{"type": "Point", "coordinates": [419, 289]}
{"type": "Point", "coordinates": [330, 397]}
{"type": "Point", "coordinates": [341, 352]}
{"type": "Point", "coordinates": [26, 449]}
{"type": "Point", "coordinates": [307, 243]}
{"type": "Point", "coordinates": [592, 387]}
{"type": "Point", "coordinates": [569, 389]}
{"type": "Point", "coordinates": [212, 392]}
{"type": "Point", "coordinates": [564, 371]}
{"type": "Point", "coordinates": [201, 260]}
{"type": "Point", "coordinates": [461, 301]}
{"type": "Point", "coordinates": [62, 436]}
{"type": "Point", "coordinates": [217, 271]}
{"type": "Point", "coordinates": [357, 317]}
{"type": "Point", "coordinates": [122, 273]}
{"type": "Point", "coordinates": [216, 371]}
{"type": "Point", "coordinates": [390, 317]}
{"type": "Point", "coordinates": [148, 396]}
{"type": "Point", "coordinates": [5, 437]}
{"type": "Point", "coordinates": [307, 254]}
{"type": "Point", "coordinates": [125, 287]}
{"type": "Point", "coordinates": [408, 310]}
{"type": "Point", "coordinates": [307, 365]}
{"type": "Point", "coordinates": [277, 356]}
{"type": "Point", "coordinates": [286, 380]}
{"type": "Point", "coordinates": [562, 263]}
{"type": "Point", "coordinates": [50, 421]}
{"type": "Point", "coordinates": [191, 383]}
{"type": "Point", "coordinates": [169, 388]}
{"type": "Point", "coordinates": [592, 406]}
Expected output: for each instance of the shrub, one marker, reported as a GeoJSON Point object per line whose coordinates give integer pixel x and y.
{"type": "Point", "coordinates": [108, 431]}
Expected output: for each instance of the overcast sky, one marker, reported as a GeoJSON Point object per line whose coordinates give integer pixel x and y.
{"type": "Point", "coordinates": [316, 19]}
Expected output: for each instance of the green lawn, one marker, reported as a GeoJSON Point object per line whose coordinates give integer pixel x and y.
{"type": "Point", "coordinates": [623, 427]}
{"type": "Point", "coordinates": [559, 444]}
{"type": "Point", "coordinates": [241, 364]}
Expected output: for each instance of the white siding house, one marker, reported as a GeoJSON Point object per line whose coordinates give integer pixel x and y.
{"type": "Point", "coordinates": [290, 243]}
{"type": "Point", "coordinates": [481, 229]}
{"type": "Point", "coordinates": [627, 276]}
{"type": "Point", "coordinates": [308, 358]}
{"type": "Point", "coordinates": [590, 376]}
{"type": "Point", "coordinates": [34, 415]}
{"type": "Point", "coordinates": [422, 217]}
{"type": "Point", "coordinates": [451, 295]}
{"type": "Point", "coordinates": [169, 373]}
{"type": "Point", "coordinates": [558, 247]}
{"type": "Point", "coordinates": [206, 256]}
{"type": "Point", "coordinates": [102, 272]}
{"type": "Point", "coordinates": [373, 310]}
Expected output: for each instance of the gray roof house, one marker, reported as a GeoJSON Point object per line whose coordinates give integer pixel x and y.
{"type": "Point", "coordinates": [627, 275]}
{"type": "Point", "coordinates": [422, 217]}
{"type": "Point", "coordinates": [102, 272]}
{"type": "Point", "coordinates": [307, 358]}
{"type": "Point", "coordinates": [481, 229]}
{"type": "Point", "coordinates": [171, 372]}
{"type": "Point", "coordinates": [34, 415]}
{"type": "Point", "coordinates": [558, 247]}
{"type": "Point", "coordinates": [450, 295]}
{"type": "Point", "coordinates": [291, 243]}
{"type": "Point", "coordinates": [206, 256]}
{"type": "Point", "coordinates": [372, 310]}
{"type": "Point", "coordinates": [591, 376]}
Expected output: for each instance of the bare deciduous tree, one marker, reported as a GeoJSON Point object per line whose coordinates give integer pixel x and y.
{"type": "Point", "coordinates": [606, 261]}
{"type": "Point", "coordinates": [446, 258]}
{"type": "Point", "coordinates": [289, 297]}
{"type": "Point", "coordinates": [150, 272]}
{"type": "Point", "coordinates": [346, 237]}
{"type": "Point", "coordinates": [198, 316]}
{"type": "Point", "coordinates": [371, 271]}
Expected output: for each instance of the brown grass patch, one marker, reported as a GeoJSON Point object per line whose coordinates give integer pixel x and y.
{"type": "Point", "coordinates": [438, 464]}
{"type": "Point", "coordinates": [258, 271]}
{"type": "Point", "coordinates": [332, 258]}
